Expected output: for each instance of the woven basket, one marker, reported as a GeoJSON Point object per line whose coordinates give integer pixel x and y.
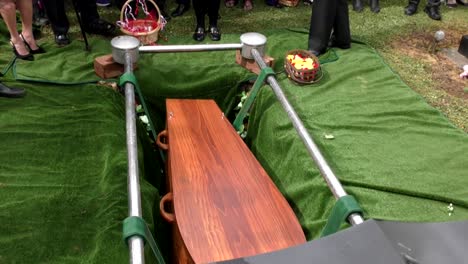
{"type": "Point", "coordinates": [289, 2]}
{"type": "Point", "coordinates": [150, 28]}
{"type": "Point", "coordinates": [303, 76]}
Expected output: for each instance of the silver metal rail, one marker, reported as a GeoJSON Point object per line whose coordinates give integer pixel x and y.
{"type": "Point", "coordinates": [189, 48]}
{"type": "Point", "coordinates": [327, 173]}
{"type": "Point", "coordinates": [135, 243]}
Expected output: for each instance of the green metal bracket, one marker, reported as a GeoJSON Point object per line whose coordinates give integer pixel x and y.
{"type": "Point", "coordinates": [136, 226]}
{"type": "Point", "coordinates": [343, 207]}
{"type": "Point", "coordinates": [264, 73]}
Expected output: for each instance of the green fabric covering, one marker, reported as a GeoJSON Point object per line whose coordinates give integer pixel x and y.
{"type": "Point", "coordinates": [70, 64]}
{"type": "Point", "coordinates": [63, 176]}
{"type": "Point", "coordinates": [63, 156]}
{"type": "Point", "coordinates": [400, 158]}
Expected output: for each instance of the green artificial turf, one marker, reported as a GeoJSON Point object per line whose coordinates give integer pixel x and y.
{"type": "Point", "coordinates": [63, 154]}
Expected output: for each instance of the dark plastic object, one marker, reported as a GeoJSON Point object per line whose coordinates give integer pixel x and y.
{"type": "Point", "coordinates": [463, 48]}
{"type": "Point", "coordinates": [382, 242]}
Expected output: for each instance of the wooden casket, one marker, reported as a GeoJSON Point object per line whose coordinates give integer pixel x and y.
{"type": "Point", "coordinates": [224, 204]}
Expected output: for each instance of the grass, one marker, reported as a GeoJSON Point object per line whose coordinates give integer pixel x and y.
{"type": "Point", "coordinates": [378, 30]}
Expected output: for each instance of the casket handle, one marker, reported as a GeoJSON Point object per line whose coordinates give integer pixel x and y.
{"type": "Point", "coordinates": [162, 137]}
{"type": "Point", "coordinates": [169, 217]}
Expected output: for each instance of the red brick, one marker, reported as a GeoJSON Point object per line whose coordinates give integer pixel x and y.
{"type": "Point", "coordinates": [105, 67]}
{"type": "Point", "coordinates": [250, 64]}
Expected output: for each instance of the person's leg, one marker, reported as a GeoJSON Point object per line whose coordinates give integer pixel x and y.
{"type": "Point", "coordinates": [248, 5]}
{"type": "Point", "coordinates": [432, 9]}
{"type": "Point", "coordinates": [26, 12]}
{"type": "Point", "coordinates": [374, 6]}
{"type": "Point", "coordinates": [8, 12]}
{"type": "Point", "coordinates": [230, 3]}
{"type": "Point", "coordinates": [213, 13]}
{"type": "Point", "coordinates": [451, 3]}
{"type": "Point", "coordinates": [358, 6]}
{"type": "Point", "coordinates": [88, 10]}
{"type": "Point", "coordinates": [92, 23]}
{"type": "Point", "coordinates": [321, 24]}
{"type": "Point", "coordinates": [200, 11]}
{"type": "Point", "coordinates": [55, 10]}
{"type": "Point", "coordinates": [341, 33]}
{"type": "Point", "coordinates": [412, 7]}
{"type": "Point", "coordinates": [182, 7]}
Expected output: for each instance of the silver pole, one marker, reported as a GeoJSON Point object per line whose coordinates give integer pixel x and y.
{"type": "Point", "coordinates": [135, 243]}
{"type": "Point", "coordinates": [189, 48]}
{"type": "Point", "coordinates": [327, 173]}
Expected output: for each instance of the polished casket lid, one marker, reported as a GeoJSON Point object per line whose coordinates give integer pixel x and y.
{"type": "Point", "coordinates": [226, 206]}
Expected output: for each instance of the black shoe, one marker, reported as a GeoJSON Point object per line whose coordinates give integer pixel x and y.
{"type": "Point", "coordinates": [357, 6]}
{"type": "Point", "coordinates": [39, 49]}
{"type": "Point", "coordinates": [6, 91]}
{"type": "Point", "coordinates": [215, 35]}
{"type": "Point", "coordinates": [411, 9]}
{"type": "Point", "coordinates": [100, 27]}
{"type": "Point", "coordinates": [199, 34]}
{"type": "Point", "coordinates": [180, 10]}
{"type": "Point", "coordinates": [374, 6]}
{"type": "Point", "coordinates": [315, 52]}
{"type": "Point", "coordinates": [433, 12]}
{"type": "Point", "coordinates": [28, 57]}
{"type": "Point", "coordinates": [337, 44]}
{"type": "Point", "coordinates": [62, 39]}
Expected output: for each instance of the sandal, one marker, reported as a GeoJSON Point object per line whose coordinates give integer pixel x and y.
{"type": "Point", "coordinates": [230, 3]}
{"type": "Point", "coordinates": [248, 5]}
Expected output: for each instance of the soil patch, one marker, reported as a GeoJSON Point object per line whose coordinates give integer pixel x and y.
{"type": "Point", "coordinates": [444, 72]}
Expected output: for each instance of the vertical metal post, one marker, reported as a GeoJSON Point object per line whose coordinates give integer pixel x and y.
{"type": "Point", "coordinates": [135, 243]}
{"type": "Point", "coordinates": [327, 173]}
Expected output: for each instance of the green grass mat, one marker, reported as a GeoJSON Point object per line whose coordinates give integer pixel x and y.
{"type": "Point", "coordinates": [63, 155]}
{"type": "Point", "coordinates": [401, 158]}
{"type": "Point", "coordinates": [63, 176]}
{"type": "Point", "coordinates": [70, 64]}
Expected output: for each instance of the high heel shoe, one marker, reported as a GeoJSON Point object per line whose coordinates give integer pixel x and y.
{"type": "Point", "coordinates": [28, 56]}
{"type": "Point", "coordinates": [39, 49]}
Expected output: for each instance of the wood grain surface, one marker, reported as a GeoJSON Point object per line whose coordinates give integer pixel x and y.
{"type": "Point", "coordinates": [226, 205]}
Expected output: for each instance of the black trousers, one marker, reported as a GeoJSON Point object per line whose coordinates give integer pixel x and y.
{"type": "Point", "coordinates": [55, 10]}
{"type": "Point", "coordinates": [183, 2]}
{"type": "Point", "coordinates": [328, 16]}
{"type": "Point", "coordinates": [206, 7]}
